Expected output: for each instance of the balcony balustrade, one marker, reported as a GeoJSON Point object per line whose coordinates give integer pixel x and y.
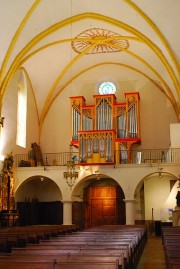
{"type": "Point", "coordinates": [121, 157]}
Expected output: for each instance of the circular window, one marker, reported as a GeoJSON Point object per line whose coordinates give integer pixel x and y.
{"type": "Point", "coordinates": [107, 88]}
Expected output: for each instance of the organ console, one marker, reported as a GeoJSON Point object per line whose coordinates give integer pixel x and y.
{"type": "Point", "coordinates": [104, 132]}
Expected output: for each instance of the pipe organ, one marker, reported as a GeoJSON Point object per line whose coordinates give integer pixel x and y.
{"type": "Point", "coordinates": [104, 132]}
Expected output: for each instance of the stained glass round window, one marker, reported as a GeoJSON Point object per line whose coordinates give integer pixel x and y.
{"type": "Point", "coordinates": [107, 88]}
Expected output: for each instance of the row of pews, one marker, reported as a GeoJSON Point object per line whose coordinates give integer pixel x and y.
{"type": "Point", "coordinates": [171, 242]}
{"type": "Point", "coordinates": [11, 237]}
{"type": "Point", "coordinates": [103, 247]}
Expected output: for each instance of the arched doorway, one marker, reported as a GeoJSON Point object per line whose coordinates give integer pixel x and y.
{"type": "Point", "coordinates": [155, 199]}
{"type": "Point", "coordinates": [38, 200]}
{"type": "Point", "coordinates": [102, 203]}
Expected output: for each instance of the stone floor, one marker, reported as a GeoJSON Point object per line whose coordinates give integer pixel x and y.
{"type": "Point", "coordinates": [153, 256]}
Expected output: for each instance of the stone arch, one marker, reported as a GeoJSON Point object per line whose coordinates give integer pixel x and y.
{"type": "Point", "coordinates": [38, 199]}
{"type": "Point", "coordinates": [91, 179]}
{"type": "Point", "coordinates": [38, 187]}
{"type": "Point", "coordinates": [155, 198]}
{"type": "Point", "coordinates": [99, 200]}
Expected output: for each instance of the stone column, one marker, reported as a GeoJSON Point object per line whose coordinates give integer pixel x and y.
{"type": "Point", "coordinates": [130, 211]}
{"type": "Point", "coordinates": [67, 212]}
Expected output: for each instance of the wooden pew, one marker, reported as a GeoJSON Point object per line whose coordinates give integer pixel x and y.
{"type": "Point", "coordinates": [15, 238]}
{"type": "Point", "coordinates": [60, 265]}
{"type": "Point", "coordinates": [130, 241]}
{"type": "Point", "coordinates": [3, 244]}
{"type": "Point", "coordinates": [86, 265]}
{"type": "Point", "coordinates": [20, 236]}
{"type": "Point", "coordinates": [171, 242]}
{"type": "Point", "coordinates": [174, 263]}
{"type": "Point", "coordinates": [107, 238]}
{"type": "Point", "coordinates": [27, 265]}
{"type": "Point", "coordinates": [103, 251]}
{"type": "Point", "coordinates": [112, 241]}
{"type": "Point", "coordinates": [66, 258]}
{"type": "Point", "coordinates": [127, 243]}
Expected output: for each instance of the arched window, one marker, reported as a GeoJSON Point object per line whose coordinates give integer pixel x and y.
{"type": "Point", "coordinates": [22, 111]}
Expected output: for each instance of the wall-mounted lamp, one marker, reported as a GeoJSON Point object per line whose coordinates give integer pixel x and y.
{"type": "Point", "coordinates": [160, 171]}
{"type": "Point", "coordinates": [2, 121]}
{"type": "Point", "coordinates": [86, 169]}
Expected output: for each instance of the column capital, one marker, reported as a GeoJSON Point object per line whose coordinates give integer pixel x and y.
{"type": "Point", "coordinates": [67, 201]}
{"type": "Point", "coordinates": [129, 200]}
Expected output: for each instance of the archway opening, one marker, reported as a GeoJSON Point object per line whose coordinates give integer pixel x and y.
{"type": "Point", "coordinates": [99, 200]}
{"type": "Point", "coordinates": [155, 200]}
{"type": "Point", "coordinates": [38, 200]}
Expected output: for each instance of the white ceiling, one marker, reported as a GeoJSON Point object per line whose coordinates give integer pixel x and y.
{"type": "Point", "coordinates": [37, 35]}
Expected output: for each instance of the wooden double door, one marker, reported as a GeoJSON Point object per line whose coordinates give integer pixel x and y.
{"type": "Point", "coordinates": [103, 211]}
{"type": "Point", "coordinates": [104, 206]}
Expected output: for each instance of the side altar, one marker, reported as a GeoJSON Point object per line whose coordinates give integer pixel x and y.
{"type": "Point", "coordinates": [9, 216]}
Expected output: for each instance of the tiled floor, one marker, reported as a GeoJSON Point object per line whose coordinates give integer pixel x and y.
{"type": "Point", "coordinates": [153, 254]}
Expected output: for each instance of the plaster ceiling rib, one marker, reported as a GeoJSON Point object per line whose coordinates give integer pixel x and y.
{"type": "Point", "coordinates": [118, 49]}
{"type": "Point", "coordinates": [15, 38]}
{"type": "Point", "coordinates": [68, 40]}
{"type": "Point", "coordinates": [112, 63]}
{"type": "Point", "coordinates": [48, 100]}
{"type": "Point", "coordinates": [29, 80]}
{"type": "Point", "coordinates": [151, 68]}
{"type": "Point", "coordinates": [159, 34]}
{"type": "Point", "coordinates": [60, 76]}
{"type": "Point", "coordinates": [79, 17]}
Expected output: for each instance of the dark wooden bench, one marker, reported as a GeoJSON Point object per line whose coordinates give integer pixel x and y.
{"type": "Point", "coordinates": [89, 238]}
{"type": "Point", "coordinates": [86, 265]}
{"type": "Point", "coordinates": [66, 258]}
{"type": "Point", "coordinates": [10, 239]}
{"type": "Point", "coordinates": [129, 240]}
{"type": "Point", "coordinates": [20, 236]}
{"type": "Point", "coordinates": [27, 264]}
{"type": "Point", "coordinates": [174, 263]}
{"type": "Point", "coordinates": [91, 252]}
{"type": "Point", "coordinates": [116, 241]}
{"type": "Point", "coordinates": [171, 242]}
{"type": "Point", "coordinates": [60, 265]}
{"type": "Point", "coordinates": [126, 245]}
{"type": "Point", "coordinates": [172, 259]}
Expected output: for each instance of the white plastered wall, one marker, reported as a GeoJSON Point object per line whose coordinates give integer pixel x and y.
{"type": "Point", "coordinates": [175, 135]}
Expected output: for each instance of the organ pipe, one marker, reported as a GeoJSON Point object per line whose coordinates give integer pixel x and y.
{"type": "Point", "coordinates": [97, 128]}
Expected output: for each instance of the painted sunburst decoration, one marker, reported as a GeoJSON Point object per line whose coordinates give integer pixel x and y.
{"type": "Point", "coordinates": [107, 41]}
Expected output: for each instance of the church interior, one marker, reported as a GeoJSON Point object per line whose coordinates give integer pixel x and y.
{"type": "Point", "coordinates": [90, 120]}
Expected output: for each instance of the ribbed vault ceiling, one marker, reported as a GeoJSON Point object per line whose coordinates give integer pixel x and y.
{"type": "Point", "coordinates": [57, 41]}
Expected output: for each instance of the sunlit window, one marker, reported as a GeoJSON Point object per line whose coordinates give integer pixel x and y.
{"type": "Point", "coordinates": [107, 87]}
{"type": "Point", "coordinates": [22, 111]}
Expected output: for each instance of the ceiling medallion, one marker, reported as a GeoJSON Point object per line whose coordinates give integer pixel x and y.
{"type": "Point", "coordinates": [97, 34]}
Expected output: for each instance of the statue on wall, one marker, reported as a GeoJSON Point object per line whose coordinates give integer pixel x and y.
{"type": "Point", "coordinates": [8, 163]}
{"type": "Point", "coordinates": [178, 198]}
{"type": "Point", "coordinates": [7, 184]}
